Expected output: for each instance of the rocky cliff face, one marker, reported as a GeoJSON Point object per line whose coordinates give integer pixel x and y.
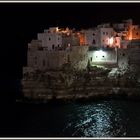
{"type": "Point", "coordinates": [70, 84]}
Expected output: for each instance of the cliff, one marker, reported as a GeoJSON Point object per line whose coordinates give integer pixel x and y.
{"type": "Point", "coordinates": [72, 85]}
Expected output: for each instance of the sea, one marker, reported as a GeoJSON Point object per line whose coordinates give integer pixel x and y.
{"type": "Point", "coordinates": [102, 118]}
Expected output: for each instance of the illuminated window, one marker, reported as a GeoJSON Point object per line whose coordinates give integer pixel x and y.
{"type": "Point", "coordinates": [69, 44]}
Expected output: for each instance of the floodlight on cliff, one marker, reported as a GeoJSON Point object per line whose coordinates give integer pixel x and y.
{"type": "Point", "coordinates": [101, 53]}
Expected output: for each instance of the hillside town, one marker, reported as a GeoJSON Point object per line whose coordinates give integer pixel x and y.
{"type": "Point", "coordinates": [62, 63]}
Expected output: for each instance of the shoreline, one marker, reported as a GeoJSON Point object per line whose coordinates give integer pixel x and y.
{"type": "Point", "coordinates": [121, 94]}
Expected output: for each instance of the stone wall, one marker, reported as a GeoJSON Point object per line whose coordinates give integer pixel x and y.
{"type": "Point", "coordinates": [76, 56]}
{"type": "Point", "coordinates": [123, 56]}
{"type": "Point", "coordinates": [134, 59]}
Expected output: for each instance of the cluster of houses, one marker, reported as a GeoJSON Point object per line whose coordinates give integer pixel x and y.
{"type": "Point", "coordinates": [107, 44]}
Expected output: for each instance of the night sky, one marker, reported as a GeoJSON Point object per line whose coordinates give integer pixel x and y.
{"type": "Point", "coordinates": [20, 23]}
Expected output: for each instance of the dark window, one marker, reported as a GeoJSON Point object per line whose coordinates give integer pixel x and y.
{"type": "Point", "coordinates": [103, 56]}
{"type": "Point", "coordinates": [43, 62]}
{"type": "Point", "coordinates": [91, 59]}
{"type": "Point", "coordinates": [49, 38]}
{"type": "Point", "coordinates": [48, 64]}
{"type": "Point", "coordinates": [137, 33]}
{"type": "Point", "coordinates": [93, 41]}
{"type": "Point", "coordinates": [93, 34]}
{"type": "Point", "coordinates": [35, 60]}
{"type": "Point", "coordinates": [53, 46]}
{"type": "Point", "coordinates": [68, 58]}
{"type": "Point", "coordinates": [40, 48]}
{"type": "Point", "coordinates": [123, 54]}
{"type": "Point", "coordinates": [106, 33]}
{"type": "Point", "coordinates": [103, 33]}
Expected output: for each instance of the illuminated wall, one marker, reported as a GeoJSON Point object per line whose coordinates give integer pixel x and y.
{"type": "Point", "coordinates": [136, 33]}
{"type": "Point", "coordinates": [82, 39]}
{"type": "Point", "coordinates": [102, 57]}
{"type": "Point", "coordinates": [50, 40]}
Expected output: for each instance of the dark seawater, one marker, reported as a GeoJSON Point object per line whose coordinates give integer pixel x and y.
{"type": "Point", "coordinates": [110, 118]}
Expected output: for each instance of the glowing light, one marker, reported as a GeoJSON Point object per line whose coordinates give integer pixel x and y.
{"type": "Point", "coordinates": [100, 53]}
{"type": "Point", "coordinates": [111, 41]}
{"type": "Point", "coordinates": [57, 29]}
{"type": "Point", "coordinates": [130, 37]}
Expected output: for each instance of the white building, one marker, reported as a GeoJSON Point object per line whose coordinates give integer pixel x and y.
{"type": "Point", "coordinates": [106, 36]}
{"type": "Point", "coordinates": [90, 37]}
{"type": "Point", "coordinates": [51, 38]}
{"type": "Point", "coordinates": [101, 36]}
{"type": "Point", "coordinates": [53, 48]}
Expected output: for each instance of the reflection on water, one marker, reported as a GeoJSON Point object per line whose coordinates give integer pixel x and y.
{"type": "Point", "coordinates": [99, 120]}
{"type": "Point", "coordinates": [93, 119]}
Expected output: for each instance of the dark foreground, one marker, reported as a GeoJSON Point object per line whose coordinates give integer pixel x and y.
{"type": "Point", "coordinates": [102, 118]}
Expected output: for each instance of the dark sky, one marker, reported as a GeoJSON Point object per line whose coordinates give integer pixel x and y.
{"type": "Point", "coordinates": [28, 19]}
{"type": "Point", "coordinates": [19, 23]}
